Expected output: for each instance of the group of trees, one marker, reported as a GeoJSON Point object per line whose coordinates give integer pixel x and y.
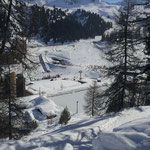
{"type": "Point", "coordinates": [61, 26]}
{"type": "Point", "coordinates": [12, 121]}
{"type": "Point", "coordinates": [14, 28]}
{"type": "Point", "coordinates": [92, 101]}
{"type": "Point", "coordinates": [52, 24]}
{"type": "Point", "coordinates": [130, 85]}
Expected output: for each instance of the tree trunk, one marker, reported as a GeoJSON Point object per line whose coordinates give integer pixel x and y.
{"type": "Point", "coordinates": [6, 27]}
{"type": "Point", "coordinates": [125, 54]}
{"type": "Point", "coordinates": [93, 102]}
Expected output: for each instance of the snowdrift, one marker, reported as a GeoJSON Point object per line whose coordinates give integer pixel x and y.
{"type": "Point", "coordinates": [40, 108]}
{"type": "Point", "coordinates": [133, 135]}
{"type": "Point", "coordinates": [126, 130]}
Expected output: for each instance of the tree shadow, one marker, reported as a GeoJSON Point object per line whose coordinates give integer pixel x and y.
{"type": "Point", "coordinates": [83, 123]}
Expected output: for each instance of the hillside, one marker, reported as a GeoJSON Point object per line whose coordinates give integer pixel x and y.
{"type": "Point", "coordinates": [82, 55]}
{"type": "Point", "coordinates": [61, 78]}
{"type": "Point", "coordinates": [127, 130]}
{"type": "Point", "coordinates": [106, 10]}
{"type": "Point", "coordinates": [61, 73]}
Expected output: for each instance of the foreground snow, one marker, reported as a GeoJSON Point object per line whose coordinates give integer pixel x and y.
{"type": "Point", "coordinates": [129, 136]}
{"type": "Point", "coordinates": [127, 130]}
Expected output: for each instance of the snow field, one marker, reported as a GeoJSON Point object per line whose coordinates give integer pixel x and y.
{"type": "Point", "coordinates": [127, 130]}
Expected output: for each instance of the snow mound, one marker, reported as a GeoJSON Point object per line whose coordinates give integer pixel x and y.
{"type": "Point", "coordinates": [68, 146]}
{"type": "Point", "coordinates": [40, 108]}
{"type": "Point", "coordinates": [129, 136]}
{"type": "Point", "coordinates": [46, 106]}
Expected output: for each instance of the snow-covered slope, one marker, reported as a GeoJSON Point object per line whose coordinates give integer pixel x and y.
{"type": "Point", "coordinates": [106, 10]}
{"type": "Point", "coordinates": [85, 55]}
{"type": "Point", "coordinates": [127, 130]}
{"type": "Point", "coordinates": [133, 134]}
{"type": "Point", "coordinates": [68, 59]}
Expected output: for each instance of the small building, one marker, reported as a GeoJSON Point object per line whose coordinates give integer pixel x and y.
{"type": "Point", "coordinates": [13, 86]}
{"type": "Point", "coordinates": [20, 89]}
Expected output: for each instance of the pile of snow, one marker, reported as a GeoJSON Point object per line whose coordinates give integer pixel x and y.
{"type": "Point", "coordinates": [126, 130]}
{"type": "Point", "coordinates": [46, 106]}
{"type": "Point", "coordinates": [68, 146]}
{"type": "Point", "coordinates": [40, 107]}
{"type": "Point", "coordinates": [132, 135]}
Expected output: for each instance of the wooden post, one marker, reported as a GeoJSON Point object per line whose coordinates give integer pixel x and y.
{"type": "Point", "coordinates": [39, 91]}
{"type": "Point", "coordinates": [20, 85]}
{"type": "Point", "coordinates": [12, 85]}
{"type": "Point", "coordinates": [77, 107]}
{"type": "Point", "coordinates": [80, 74]}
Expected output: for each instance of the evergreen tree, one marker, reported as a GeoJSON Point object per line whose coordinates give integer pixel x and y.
{"type": "Point", "coordinates": [11, 29]}
{"type": "Point", "coordinates": [144, 19]}
{"type": "Point", "coordinates": [60, 26]}
{"type": "Point", "coordinates": [120, 93]}
{"type": "Point", "coordinates": [65, 116]}
{"type": "Point", "coordinates": [92, 101]}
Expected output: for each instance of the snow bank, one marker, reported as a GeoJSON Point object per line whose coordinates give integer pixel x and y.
{"type": "Point", "coordinates": [126, 130]}
{"type": "Point", "coordinates": [68, 146]}
{"type": "Point", "coordinates": [21, 145]}
{"type": "Point", "coordinates": [134, 135]}
{"type": "Point", "coordinates": [16, 145]}
{"type": "Point", "coordinates": [39, 108]}
{"type": "Point", "coordinates": [46, 106]}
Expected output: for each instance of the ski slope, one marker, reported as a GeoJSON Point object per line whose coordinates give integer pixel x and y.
{"type": "Point", "coordinates": [85, 55]}
{"type": "Point", "coordinates": [82, 55]}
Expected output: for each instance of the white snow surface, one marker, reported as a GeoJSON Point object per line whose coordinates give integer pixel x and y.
{"type": "Point", "coordinates": [49, 87]}
{"type": "Point", "coordinates": [127, 130]}
{"type": "Point", "coordinates": [85, 55]}
{"type": "Point", "coordinates": [39, 107]}
{"type": "Point", "coordinates": [129, 136]}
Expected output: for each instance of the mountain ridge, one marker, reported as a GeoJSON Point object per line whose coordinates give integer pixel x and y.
{"type": "Point", "coordinates": [104, 9]}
